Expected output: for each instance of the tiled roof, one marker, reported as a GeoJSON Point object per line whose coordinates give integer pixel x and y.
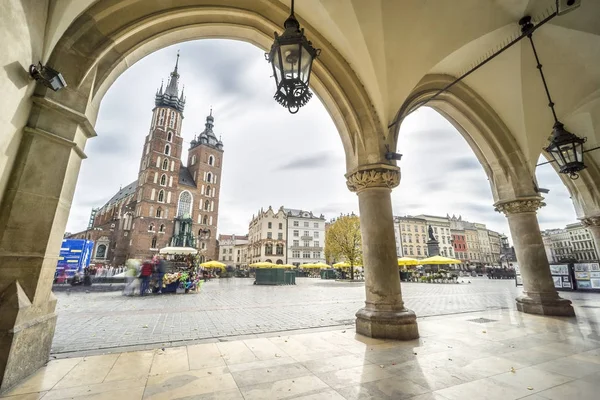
{"type": "Point", "coordinates": [124, 192]}
{"type": "Point", "coordinates": [185, 177]}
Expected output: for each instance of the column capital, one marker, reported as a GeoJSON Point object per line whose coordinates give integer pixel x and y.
{"type": "Point", "coordinates": [373, 176]}
{"type": "Point", "coordinates": [522, 205]}
{"type": "Point", "coordinates": [591, 221]}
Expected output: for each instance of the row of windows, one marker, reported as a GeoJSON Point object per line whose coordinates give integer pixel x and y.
{"type": "Point", "coordinates": [270, 225]}
{"type": "Point", "coordinates": [415, 228]}
{"type": "Point", "coordinates": [296, 243]}
{"type": "Point", "coordinates": [279, 235]}
{"type": "Point", "coordinates": [306, 224]}
{"type": "Point", "coordinates": [306, 233]}
{"type": "Point", "coordinates": [211, 160]}
{"type": "Point", "coordinates": [161, 228]}
{"type": "Point", "coordinates": [306, 254]}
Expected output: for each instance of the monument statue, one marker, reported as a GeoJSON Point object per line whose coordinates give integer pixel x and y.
{"type": "Point", "coordinates": [430, 230]}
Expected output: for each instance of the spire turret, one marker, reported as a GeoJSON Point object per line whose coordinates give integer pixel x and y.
{"type": "Point", "coordinates": [208, 137]}
{"type": "Point", "coordinates": [170, 97]}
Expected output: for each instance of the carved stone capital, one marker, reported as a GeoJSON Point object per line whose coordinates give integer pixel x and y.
{"type": "Point", "coordinates": [373, 176]}
{"type": "Point", "coordinates": [530, 204]}
{"type": "Point", "coordinates": [591, 221]}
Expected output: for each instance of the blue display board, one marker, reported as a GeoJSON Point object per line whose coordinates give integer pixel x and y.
{"type": "Point", "coordinates": [74, 256]}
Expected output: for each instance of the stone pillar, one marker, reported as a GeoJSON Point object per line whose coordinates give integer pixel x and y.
{"type": "Point", "coordinates": [540, 295]}
{"type": "Point", "coordinates": [384, 315]}
{"type": "Point", "coordinates": [593, 225]}
{"type": "Point", "coordinates": [33, 216]}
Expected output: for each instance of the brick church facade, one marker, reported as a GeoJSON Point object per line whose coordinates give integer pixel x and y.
{"type": "Point", "coordinates": [170, 204]}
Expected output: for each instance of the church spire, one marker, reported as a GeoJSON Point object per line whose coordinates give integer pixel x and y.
{"type": "Point", "coordinates": [170, 97]}
{"type": "Point", "coordinates": [172, 89]}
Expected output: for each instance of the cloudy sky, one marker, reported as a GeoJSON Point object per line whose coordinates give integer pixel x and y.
{"type": "Point", "coordinates": [273, 158]}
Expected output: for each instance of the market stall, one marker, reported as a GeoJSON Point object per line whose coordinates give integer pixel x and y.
{"type": "Point", "coordinates": [182, 273]}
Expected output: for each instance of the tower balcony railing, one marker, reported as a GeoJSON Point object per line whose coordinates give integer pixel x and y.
{"type": "Point", "coordinates": [307, 248]}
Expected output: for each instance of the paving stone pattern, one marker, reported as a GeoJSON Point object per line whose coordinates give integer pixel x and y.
{"type": "Point", "coordinates": [234, 307]}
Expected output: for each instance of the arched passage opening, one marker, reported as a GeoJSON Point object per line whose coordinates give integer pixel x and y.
{"type": "Point", "coordinates": [512, 182]}
{"type": "Point", "coordinates": [91, 56]}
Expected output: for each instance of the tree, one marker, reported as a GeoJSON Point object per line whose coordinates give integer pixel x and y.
{"type": "Point", "coordinates": [344, 242]}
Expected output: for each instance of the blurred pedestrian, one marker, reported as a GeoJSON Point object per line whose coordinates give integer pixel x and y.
{"type": "Point", "coordinates": [145, 274]}
{"type": "Point", "coordinates": [161, 268]}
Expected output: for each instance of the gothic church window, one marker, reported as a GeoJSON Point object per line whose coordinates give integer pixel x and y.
{"type": "Point", "coordinates": [161, 118]}
{"type": "Point", "coordinates": [153, 242]}
{"type": "Point", "coordinates": [211, 160]}
{"type": "Point", "coordinates": [167, 149]}
{"type": "Point", "coordinates": [163, 180]}
{"type": "Point", "coordinates": [172, 119]}
{"type": "Point", "coordinates": [206, 205]}
{"type": "Point", "coordinates": [161, 196]}
{"type": "Point", "coordinates": [205, 220]}
{"type": "Point", "coordinates": [208, 191]}
{"type": "Point", "coordinates": [159, 212]}
{"type": "Point", "coordinates": [193, 159]}
{"type": "Point", "coordinates": [209, 177]}
{"type": "Point", "coordinates": [170, 136]}
{"type": "Point", "coordinates": [185, 204]}
{"type": "Point", "coordinates": [162, 228]}
{"type": "Point", "coordinates": [101, 251]}
{"type": "Point", "coordinates": [165, 164]}
{"type": "Point", "coordinates": [151, 228]}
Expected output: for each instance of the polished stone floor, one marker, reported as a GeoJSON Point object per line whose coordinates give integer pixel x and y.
{"type": "Point", "coordinates": [234, 307]}
{"type": "Point", "coordinates": [496, 354]}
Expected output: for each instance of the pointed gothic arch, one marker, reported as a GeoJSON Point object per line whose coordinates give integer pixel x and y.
{"type": "Point", "coordinates": [167, 149]}
{"type": "Point", "coordinates": [165, 164]}
{"type": "Point", "coordinates": [163, 180]}
{"type": "Point", "coordinates": [209, 177]}
{"type": "Point", "coordinates": [184, 205]}
{"type": "Point", "coordinates": [211, 160]}
{"type": "Point", "coordinates": [170, 136]}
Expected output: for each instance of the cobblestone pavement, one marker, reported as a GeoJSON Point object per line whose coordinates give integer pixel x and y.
{"type": "Point", "coordinates": [233, 307]}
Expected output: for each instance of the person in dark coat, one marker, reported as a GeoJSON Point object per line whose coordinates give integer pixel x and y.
{"type": "Point", "coordinates": [161, 268]}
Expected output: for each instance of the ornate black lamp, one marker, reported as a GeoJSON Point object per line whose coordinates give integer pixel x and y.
{"type": "Point", "coordinates": [292, 56]}
{"type": "Point", "coordinates": [48, 76]}
{"type": "Point", "coordinates": [565, 147]}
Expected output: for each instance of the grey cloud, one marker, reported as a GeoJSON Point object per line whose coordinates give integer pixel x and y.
{"type": "Point", "coordinates": [315, 161]}
{"type": "Point", "coordinates": [466, 164]}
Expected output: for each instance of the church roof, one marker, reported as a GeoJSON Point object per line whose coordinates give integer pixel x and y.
{"type": "Point", "coordinates": [185, 177]}
{"type": "Point", "coordinates": [122, 193]}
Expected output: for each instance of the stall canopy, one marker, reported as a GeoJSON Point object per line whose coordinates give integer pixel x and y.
{"type": "Point", "coordinates": [315, 265]}
{"type": "Point", "coordinates": [178, 250]}
{"type": "Point", "coordinates": [408, 261]}
{"type": "Point", "coordinates": [213, 264]}
{"type": "Point", "coordinates": [264, 265]}
{"type": "Point", "coordinates": [439, 260]}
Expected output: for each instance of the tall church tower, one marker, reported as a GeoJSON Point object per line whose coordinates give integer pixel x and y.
{"type": "Point", "coordinates": [205, 163]}
{"type": "Point", "coordinates": [159, 171]}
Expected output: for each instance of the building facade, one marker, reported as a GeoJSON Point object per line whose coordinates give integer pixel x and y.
{"type": "Point", "coordinates": [233, 250]}
{"type": "Point", "coordinates": [169, 204]}
{"type": "Point", "coordinates": [267, 237]}
{"type": "Point", "coordinates": [306, 237]}
{"type": "Point", "coordinates": [441, 231]}
{"type": "Point", "coordinates": [413, 236]}
{"type": "Point", "coordinates": [560, 245]}
{"type": "Point", "coordinates": [583, 248]}
{"type": "Point", "coordinates": [459, 244]}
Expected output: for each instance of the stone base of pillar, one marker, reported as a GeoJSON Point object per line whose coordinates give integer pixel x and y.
{"type": "Point", "coordinates": [397, 325]}
{"type": "Point", "coordinates": [557, 307]}
{"type": "Point", "coordinates": [25, 335]}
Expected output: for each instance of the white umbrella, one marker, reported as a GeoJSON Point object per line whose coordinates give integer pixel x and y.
{"type": "Point", "coordinates": [178, 250]}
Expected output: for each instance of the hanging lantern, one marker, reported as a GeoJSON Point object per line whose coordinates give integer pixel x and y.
{"type": "Point", "coordinates": [292, 56]}
{"type": "Point", "coordinates": [566, 149]}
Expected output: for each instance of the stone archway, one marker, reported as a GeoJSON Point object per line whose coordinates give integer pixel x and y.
{"type": "Point", "coordinates": [99, 45]}
{"type": "Point", "coordinates": [512, 182]}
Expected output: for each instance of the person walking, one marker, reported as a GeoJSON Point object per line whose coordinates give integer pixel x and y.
{"type": "Point", "coordinates": [161, 268]}
{"type": "Point", "coordinates": [145, 275]}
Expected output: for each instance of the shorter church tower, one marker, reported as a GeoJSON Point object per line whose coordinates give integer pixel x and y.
{"type": "Point", "coordinates": [205, 161]}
